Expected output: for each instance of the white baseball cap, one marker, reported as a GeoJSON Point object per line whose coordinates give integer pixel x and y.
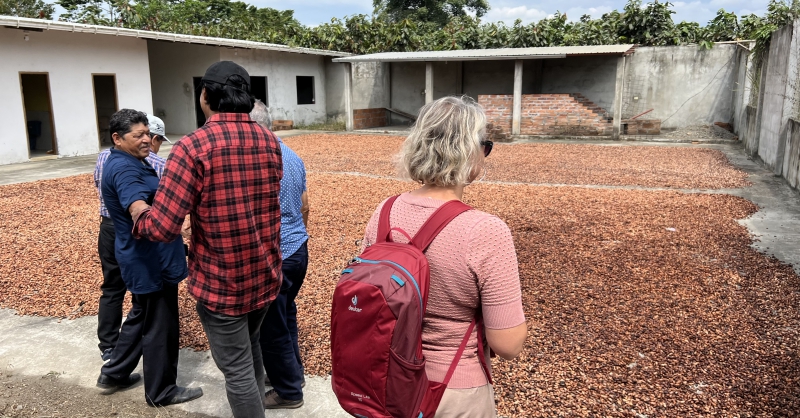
{"type": "Point", "coordinates": [157, 127]}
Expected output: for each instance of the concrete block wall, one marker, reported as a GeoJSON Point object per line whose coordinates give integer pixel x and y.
{"type": "Point", "coordinates": [369, 118]}
{"type": "Point", "coordinates": [684, 85]}
{"type": "Point", "coordinates": [791, 163]}
{"type": "Point", "coordinates": [774, 115]}
{"type": "Point", "coordinates": [547, 114]}
{"type": "Point", "coordinates": [748, 131]}
{"type": "Point", "coordinates": [770, 130]}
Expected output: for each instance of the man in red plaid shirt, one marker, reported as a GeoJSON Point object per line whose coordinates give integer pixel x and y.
{"type": "Point", "coordinates": [227, 175]}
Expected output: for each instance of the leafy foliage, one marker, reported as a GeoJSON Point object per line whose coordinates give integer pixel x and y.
{"type": "Point", "coordinates": [433, 11]}
{"type": "Point", "coordinates": [411, 25]}
{"type": "Point", "coordinates": [36, 9]}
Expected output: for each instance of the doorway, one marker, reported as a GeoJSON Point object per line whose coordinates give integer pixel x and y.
{"type": "Point", "coordinates": [38, 114]}
{"type": "Point", "coordinates": [105, 104]}
{"type": "Point", "coordinates": [258, 88]}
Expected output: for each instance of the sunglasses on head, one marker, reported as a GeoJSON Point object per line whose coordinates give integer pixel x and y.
{"type": "Point", "coordinates": [487, 147]}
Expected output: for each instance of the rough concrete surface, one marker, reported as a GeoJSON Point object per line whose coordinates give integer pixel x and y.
{"type": "Point", "coordinates": [36, 346]}
{"type": "Point", "coordinates": [52, 168]}
{"type": "Point", "coordinates": [776, 225]}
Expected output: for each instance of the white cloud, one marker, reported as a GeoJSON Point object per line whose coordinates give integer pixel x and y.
{"type": "Point", "coordinates": [693, 12]}
{"type": "Point", "coordinates": [510, 14]}
{"type": "Point", "coordinates": [575, 13]}
{"type": "Point", "coordinates": [745, 12]}
{"type": "Point", "coordinates": [725, 4]}
{"type": "Point", "coordinates": [704, 11]}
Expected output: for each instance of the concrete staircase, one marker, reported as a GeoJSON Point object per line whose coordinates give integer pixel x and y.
{"type": "Point", "coordinates": [563, 115]}
{"type": "Point", "coordinates": [569, 114]}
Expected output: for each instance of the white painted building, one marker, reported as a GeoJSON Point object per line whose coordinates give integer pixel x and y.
{"type": "Point", "coordinates": [60, 82]}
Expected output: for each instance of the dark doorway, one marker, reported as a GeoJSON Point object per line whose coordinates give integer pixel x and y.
{"type": "Point", "coordinates": [198, 112]}
{"type": "Point", "coordinates": [305, 90]}
{"type": "Point", "coordinates": [38, 114]}
{"type": "Point", "coordinates": [258, 88]}
{"type": "Point", "coordinates": [105, 103]}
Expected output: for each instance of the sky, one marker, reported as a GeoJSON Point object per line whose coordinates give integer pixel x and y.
{"type": "Point", "coordinates": [315, 12]}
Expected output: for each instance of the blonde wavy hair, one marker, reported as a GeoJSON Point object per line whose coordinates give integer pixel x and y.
{"type": "Point", "coordinates": [444, 147]}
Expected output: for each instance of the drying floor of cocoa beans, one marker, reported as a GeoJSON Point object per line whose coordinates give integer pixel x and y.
{"type": "Point", "coordinates": [639, 303]}
{"type": "Point", "coordinates": [540, 163]}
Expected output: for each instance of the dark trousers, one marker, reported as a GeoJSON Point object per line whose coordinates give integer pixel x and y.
{"type": "Point", "coordinates": [151, 332]}
{"type": "Point", "coordinates": [237, 354]}
{"type": "Point", "coordinates": [109, 317]}
{"type": "Point", "coordinates": [279, 345]}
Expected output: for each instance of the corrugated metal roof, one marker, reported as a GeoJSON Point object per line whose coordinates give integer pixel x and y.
{"type": "Point", "coordinates": [493, 54]}
{"type": "Point", "coordinates": [40, 24]}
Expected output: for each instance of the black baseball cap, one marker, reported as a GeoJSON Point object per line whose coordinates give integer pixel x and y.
{"type": "Point", "coordinates": [227, 72]}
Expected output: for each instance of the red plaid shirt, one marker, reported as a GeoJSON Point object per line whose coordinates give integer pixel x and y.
{"type": "Point", "coordinates": [227, 176]}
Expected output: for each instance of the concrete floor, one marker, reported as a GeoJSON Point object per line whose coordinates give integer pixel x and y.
{"type": "Point", "coordinates": [36, 346]}
{"type": "Point", "coordinates": [54, 167]}
{"type": "Point", "coordinates": [776, 225]}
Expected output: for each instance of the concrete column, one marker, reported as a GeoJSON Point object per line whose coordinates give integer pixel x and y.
{"type": "Point", "coordinates": [619, 89]}
{"type": "Point", "coordinates": [516, 113]}
{"type": "Point", "coordinates": [428, 82]}
{"type": "Point", "coordinates": [348, 95]}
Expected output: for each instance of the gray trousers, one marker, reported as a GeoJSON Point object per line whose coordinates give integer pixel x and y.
{"type": "Point", "coordinates": [237, 353]}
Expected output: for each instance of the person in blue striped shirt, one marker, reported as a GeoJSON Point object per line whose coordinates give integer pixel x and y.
{"type": "Point", "coordinates": [109, 316]}
{"type": "Point", "coordinates": [279, 346]}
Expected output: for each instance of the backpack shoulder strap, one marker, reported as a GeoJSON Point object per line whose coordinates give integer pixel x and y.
{"type": "Point", "coordinates": [459, 353]}
{"type": "Point", "coordinates": [463, 346]}
{"type": "Point", "coordinates": [383, 219]}
{"type": "Point", "coordinates": [431, 228]}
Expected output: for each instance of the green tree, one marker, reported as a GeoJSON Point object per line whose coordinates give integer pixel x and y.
{"type": "Point", "coordinates": [724, 27]}
{"type": "Point", "coordinates": [648, 25]}
{"type": "Point", "coordinates": [588, 31]}
{"type": "Point", "coordinates": [36, 9]}
{"type": "Point", "coordinates": [96, 12]}
{"type": "Point", "coordinates": [439, 12]}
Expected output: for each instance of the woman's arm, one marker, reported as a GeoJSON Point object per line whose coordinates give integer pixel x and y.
{"type": "Point", "coordinates": [507, 343]}
{"type": "Point", "coordinates": [493, 260]}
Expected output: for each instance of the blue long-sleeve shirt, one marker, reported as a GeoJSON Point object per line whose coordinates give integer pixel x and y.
{"type": "Point", "coordinates": [144, 264]}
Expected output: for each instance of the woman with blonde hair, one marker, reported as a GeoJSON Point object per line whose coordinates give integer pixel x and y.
{"type": "Point", "coordinates": [473, 263]}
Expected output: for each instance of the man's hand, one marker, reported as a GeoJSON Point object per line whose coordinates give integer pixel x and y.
{"type": "Point", "coordinates": [304, 209]}
{"type": "Point", "coordinates": [136, 208]}
{"type": "Point", "coordinates": [186, 229]}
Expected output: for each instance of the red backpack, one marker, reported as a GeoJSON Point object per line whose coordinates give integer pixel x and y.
{"type": "Point", "coordinates": [378, 370]}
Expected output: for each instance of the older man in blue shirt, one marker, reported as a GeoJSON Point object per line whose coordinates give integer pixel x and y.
{"type": "Point", "coordinates": [151, 272]}
{"type": "Point", "coordinates": [279, 345]}
{"type": "Point", "coordinates": [109, 316]}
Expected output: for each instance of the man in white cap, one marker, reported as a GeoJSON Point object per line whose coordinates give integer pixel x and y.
{"type": "Point", "coordinates": [109, 316]}
{"type": "Point", "coordinates": [157, 137]}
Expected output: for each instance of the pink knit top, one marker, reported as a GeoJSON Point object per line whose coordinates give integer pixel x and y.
{"type": "Point", "coordinates": [473, 267]}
